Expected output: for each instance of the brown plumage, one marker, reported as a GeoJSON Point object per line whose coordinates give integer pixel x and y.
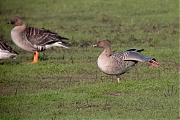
{"type": "Point", "coordinates": [34, 39]}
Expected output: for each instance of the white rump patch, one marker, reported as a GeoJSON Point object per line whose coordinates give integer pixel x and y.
{"type": "Point", "coordinates": [58, 44]}
{"type": "Point", "coordinates": [4, 54]}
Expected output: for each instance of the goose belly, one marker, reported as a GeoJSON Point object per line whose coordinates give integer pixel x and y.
{"type": "Point", "coordinates": [113, 67]}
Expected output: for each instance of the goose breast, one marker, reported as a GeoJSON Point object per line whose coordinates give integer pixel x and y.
{"type": "Point", "coordinates": [20, 39]}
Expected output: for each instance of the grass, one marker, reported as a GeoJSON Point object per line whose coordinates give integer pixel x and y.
{"type": "Point", "coordinates": [67, 84]}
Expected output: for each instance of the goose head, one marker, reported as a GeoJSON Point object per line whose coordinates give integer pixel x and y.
{"type": "Point", "coordinates": [16, 21]}
{"type": "Point", "coordinates": [102, 43]}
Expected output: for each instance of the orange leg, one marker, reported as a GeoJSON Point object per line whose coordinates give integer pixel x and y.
{"type": "Point", "coordinates": [36, 54]}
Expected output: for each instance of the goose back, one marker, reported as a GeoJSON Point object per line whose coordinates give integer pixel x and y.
{"type": "Point", "coordinates": [42, 36]}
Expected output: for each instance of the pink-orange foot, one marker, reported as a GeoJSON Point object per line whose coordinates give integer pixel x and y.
{"type": "Point", "coordinates": [118, 79]}
{"type": "Point", "coordinates": [154, 63]}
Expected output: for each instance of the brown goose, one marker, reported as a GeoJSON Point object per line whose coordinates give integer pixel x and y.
{"type": "Point", "coordinates": [6, 51]}
{"type": "Point", "coordinates": [34, 39]}
{"type": "Point", "coordinates": [119, 63]}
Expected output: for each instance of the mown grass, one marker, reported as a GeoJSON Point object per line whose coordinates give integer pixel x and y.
{"type": "Point", "coordinates": [66, 83]}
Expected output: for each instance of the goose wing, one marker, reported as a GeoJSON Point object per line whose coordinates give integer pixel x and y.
{"type": "Point", "coordinates": [135, 56]}
{"type": "Point", "coordinates": [4, 46]}
{"type": "Point", "coordinates": [42, 36]}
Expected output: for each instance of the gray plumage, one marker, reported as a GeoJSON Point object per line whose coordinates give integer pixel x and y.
{"type": "Point", "coordinates": [119, 63]}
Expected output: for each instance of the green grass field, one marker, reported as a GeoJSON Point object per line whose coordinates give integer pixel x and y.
{"type": "Point", "coordinates": [67, 84]}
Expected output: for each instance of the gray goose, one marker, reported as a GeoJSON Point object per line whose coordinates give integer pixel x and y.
{"type": "Point", "coordinates": [34, 39]}
{"type": "Point", "coordinates": [119, 63]}
{"type": "Point", "coordinates": [6, 51]}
